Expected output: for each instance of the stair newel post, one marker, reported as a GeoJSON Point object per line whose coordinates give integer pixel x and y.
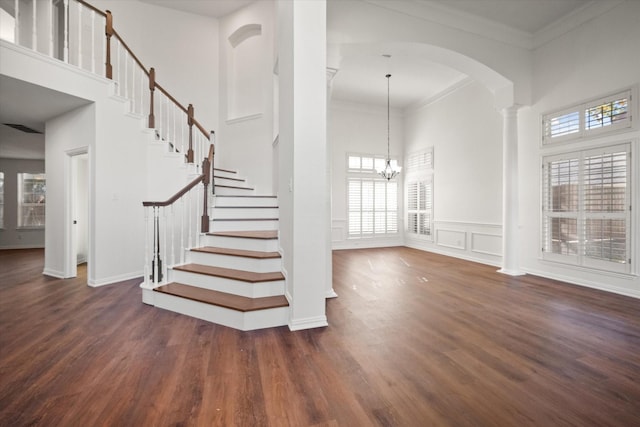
{"type": "Point", "coordinates": [190, 123]}
{"type": "Point", "coordinates": [108, 33]}
{"type": "Point", "coordinates": [157, 262]}
{"type": "Point", "coordinates": [152, 88]}
{"type": "Point", "coordinates": [146, 244]}
{"type": "Point", "coordinates": [206, 170]}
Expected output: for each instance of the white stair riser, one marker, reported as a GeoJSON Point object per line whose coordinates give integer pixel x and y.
{"type": "Point", "coordinates": [245, 201]}
{"type": "Point", "coordinates": [229, 286]}
{"type": "Point", "coordinates": [233, 191]}
{"type": "Point", "coordinates": [219, 180]}
{"type": "Point", "coordinates": [244, 321]}
{"type": "Point", "coordinates": [223, 174]}
{"type": "Point", "coordinates": [243, 225]}
{"type": "Point", "coordinates": [264, 245]}
{"type": "Point", "coordinates": [234, 262]}
{"type": "Point", "coordinates": [232, 212]}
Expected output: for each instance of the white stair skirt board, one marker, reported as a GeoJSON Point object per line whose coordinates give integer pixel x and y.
{"type": "Point", "coordinates": [244, 321]}
{"type": "Point", "coordinates": [247, 200]}
{"type": "Point", "coordinates": [240, 225]}
{"type": "Point", "coordinates": [244, 212]}
{"type": "Point", "coordinates": [258, 265]}
{"type": "Point", "coordinates": [264, 245]}
{"type": "Point", "coordinates": [229, 286]}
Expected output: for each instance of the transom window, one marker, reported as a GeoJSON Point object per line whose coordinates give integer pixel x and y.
{"type": "Point", "coordinates": [590, 118]}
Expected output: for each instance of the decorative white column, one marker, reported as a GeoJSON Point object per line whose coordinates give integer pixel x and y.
{"type": "Point", "coordinates": [331, 293]}
{"type": "Point", "coordinates": [510, 198]}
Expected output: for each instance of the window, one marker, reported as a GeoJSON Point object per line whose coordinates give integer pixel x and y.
{"type": "Point", "coordinates": [1, 200]}
{"type": "Point", "coordinates": [587, 208]}
{"type": "Point", "coordinates": [420, 193]}
{"type": "Point", "coordinates": [372, 201]}
{"type": "Point", "coordinates": [593, 117]}
{"type": "Point", "coordinates": [31, 199]}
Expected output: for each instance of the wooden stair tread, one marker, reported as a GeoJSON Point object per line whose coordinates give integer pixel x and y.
{"type": "Point", "coordinates": [229, 178]}
{"type": "Point", "coordinates": [246, 207]}
{"type": "Point", "coordinates": [224, 170]}
{"type": "Point", "coordinates": [234, 187]}
{"type": "Point", "coordinates": [228, 273]}
{"type": "Point", "coordinates": [245, 195]}
{"type": "Point", "coordinates": [237, 252]}
{"type": "Point", "coordinates": [245, 219]}
{"type": "Point", "coordinates": [256, 234]}
{"type": "Point", "coordinates": [222, 299]}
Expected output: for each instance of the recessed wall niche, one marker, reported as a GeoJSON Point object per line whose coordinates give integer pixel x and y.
{"type": "Point", "coordinates": [244, 88]}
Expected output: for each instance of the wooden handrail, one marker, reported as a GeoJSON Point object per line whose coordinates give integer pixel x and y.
{"type": "Point", "coordinates": [168, 95]}
{"type": "Point", "coordinates": [128, 49]}
{"type": "Point", "coordinates": [201, 128]}
{"type": "Point", "coordinates": [179, 194]}
{"type": "Point", "coordinates": [95, 9]}
{"type": "Point", "coordinates": [189, 186]}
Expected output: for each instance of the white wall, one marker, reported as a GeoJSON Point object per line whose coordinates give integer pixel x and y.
{"type": "Point", "coordinates": [70, 131]}
{"type": "Point", "coordinates": [464, 130]}
{"type": "Point", "coordinates": [10, 236]}
{"type": "Point", "coordinates": [361, 129]}
{"type": "Point", "coordinates": [245, 140]}
{"type": "Point", "coordinates": [590, 61]}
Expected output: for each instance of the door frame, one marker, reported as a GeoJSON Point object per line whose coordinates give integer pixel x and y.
{"type": "Point", "coordinates": [70, 200]}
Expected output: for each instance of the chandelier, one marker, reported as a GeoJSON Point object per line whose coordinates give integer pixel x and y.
{"type": "Point", "coordinates": [389, 172]}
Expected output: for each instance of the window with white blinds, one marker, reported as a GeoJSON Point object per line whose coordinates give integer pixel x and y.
{"type": "Point", "coordinates": [420, 207]}
{"type": "Point", "coordinates": [419, 187]}
{"type": "Point", "coordinates": [590, 118]}
{"type": "Point", "coordinates": [587, 208]}
{"type": "Point", "coordinates": [372, 201]}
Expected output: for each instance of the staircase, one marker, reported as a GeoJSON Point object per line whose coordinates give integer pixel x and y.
{"type": "Point", "coordinates": [234, 277]}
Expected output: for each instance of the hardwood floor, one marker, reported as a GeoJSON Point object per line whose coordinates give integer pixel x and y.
{"type": "Point", "coordinates": [415, 339]}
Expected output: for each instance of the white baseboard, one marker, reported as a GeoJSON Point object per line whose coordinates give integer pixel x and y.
{"type": "Point", "coordinates": [53, 273]}
{"type": "Point", "coordinates": [26, 246]}
{"type": "Point", "coordinates": [116, 279]}
{"type": "Point", "coordinates": [308, 323]}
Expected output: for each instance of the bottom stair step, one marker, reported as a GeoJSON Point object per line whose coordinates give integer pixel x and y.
{"type": "Point", "coordinates": [222, 299]}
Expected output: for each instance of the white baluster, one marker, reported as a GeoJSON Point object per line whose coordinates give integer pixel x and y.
{"type": "Point", "coordinates": [173, 236]}
{"type": "Point", "coordinates": [164, 243]}
{"type": "Point", "coordinates": [80, 35]}
{"type": "Point", "coordinates": [133, 88]}
{"type": "Point", "coordinates": [189, 218]}
{"type": "Point", "coordinates": [182, 212]}
{"type": "Point", "coordinates": [126, 74]}
{"type": "Point", "coordinates": [66, 32]}
{"type": "Point", "coordinates": [175, 111]}
{"type": "Point", "coordinates": [34, 33]}
{"type": "Point", "coordinates": [51, 28]}
{"type": "Point", "coordinates": [16, 29]}
{"type": "Point", "coordinates": [93, 41]}
{"type": "Point", "coordinates": [118, 67]}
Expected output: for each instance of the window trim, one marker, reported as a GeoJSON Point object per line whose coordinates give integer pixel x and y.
{"type": "Point", "coordinates": [370, 175]}
{"type": "Point", "coordinates": [580, 259]}
{"type": "Point", "coordinates": [628, 124]}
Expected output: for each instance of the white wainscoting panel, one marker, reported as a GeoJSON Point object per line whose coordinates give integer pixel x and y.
{"type": "Point", "coordinates": [486, 243]}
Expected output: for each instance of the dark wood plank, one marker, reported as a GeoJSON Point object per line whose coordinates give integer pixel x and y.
{"type": "Point", "coordinates": [222, 299]}
{"type": "Point", "coordinates": [414, 339]}
{"type": "Point", "coordinates": [229, 273]}
{"type": "Point", "coordinates": [257, 234]}
{"type": "Point", "coordinates": [237, 252]}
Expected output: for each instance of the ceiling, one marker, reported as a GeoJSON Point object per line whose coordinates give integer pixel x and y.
{"type": "Point", "coordinates": [360, 79]}
{"type": "Point", "coordinates": [29, 105]}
